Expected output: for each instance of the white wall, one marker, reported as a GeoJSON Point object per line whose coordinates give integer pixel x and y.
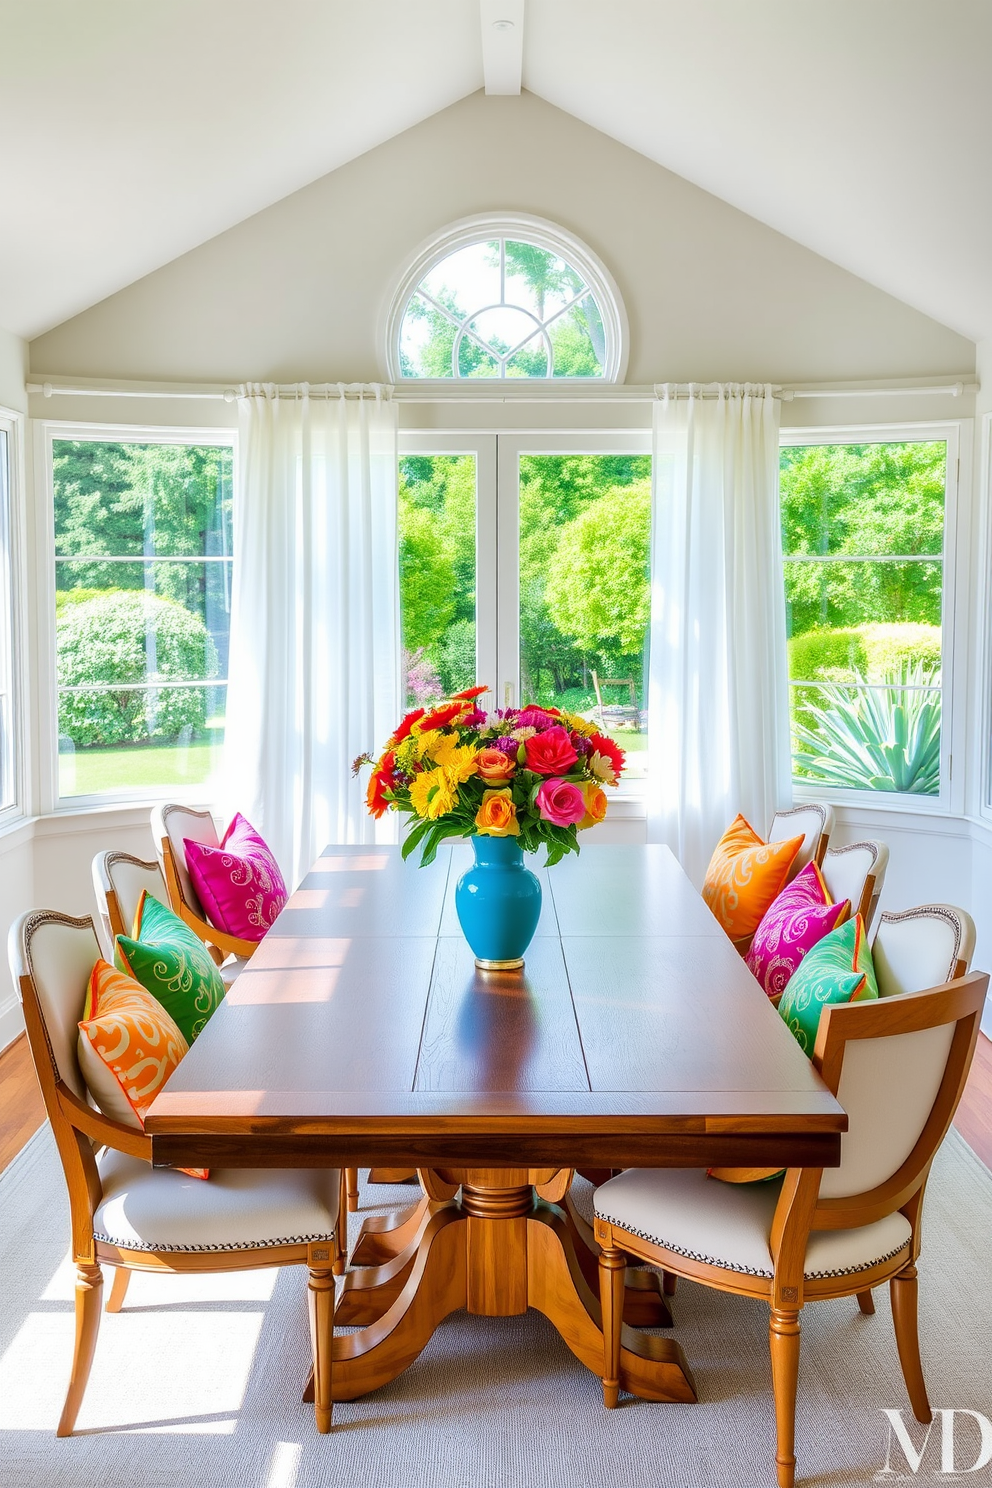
{"type": "Point", "coordinates": [297, 291]}
{"type": "Point", "coordinates": [13, 371]}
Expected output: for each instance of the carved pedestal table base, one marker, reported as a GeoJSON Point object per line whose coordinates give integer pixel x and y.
{"type": "Point", "coordinates": [495, 1249]}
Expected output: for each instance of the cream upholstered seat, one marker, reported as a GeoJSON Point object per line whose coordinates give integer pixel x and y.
{"type": "Point", "coordinates": [898, 1067]}
{"type": "Point", "coordinates": [815, 821]}
{"type": "Point", "coordinates": [922, 947]}
{"type": "Point", "coordinates": [856, 872]}
{"type": "Point", "coordinates": [130, 1216]}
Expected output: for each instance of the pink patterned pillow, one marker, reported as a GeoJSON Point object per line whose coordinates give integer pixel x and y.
{"type": "Point", "coordinates": [239, 883]}
{"type": "Point", "coordinates": [794, 922]}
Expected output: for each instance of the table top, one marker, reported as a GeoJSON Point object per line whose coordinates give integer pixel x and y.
{"type": "Point", "coordinates": [361, 1032]}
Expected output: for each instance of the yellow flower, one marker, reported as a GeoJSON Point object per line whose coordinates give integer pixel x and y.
{"type": "Point", "coordinates": [497, 816]}
{"type": "Point", "coordinates": [579, 725]}
{"type": "Point", "coordinates": [432, 793]}
{"type": "Point", "coordinates": [602, 767]}
{"type": "Point", "coordinates": [458, 758]}
{"type": "Point", "coordinates": [426, 744]}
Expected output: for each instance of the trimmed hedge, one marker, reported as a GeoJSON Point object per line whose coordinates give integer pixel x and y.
{"type": "Point", "coordinates": [129, 635]}
{"type": "Point", "coordinates": [872, 653]}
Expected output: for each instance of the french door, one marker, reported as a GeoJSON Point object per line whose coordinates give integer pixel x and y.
{"type": "Point", "coordinates": [524, 565]}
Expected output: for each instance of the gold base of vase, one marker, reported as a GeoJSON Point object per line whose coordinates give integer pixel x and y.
{"type": "Point", "coordinates": [513, 965]}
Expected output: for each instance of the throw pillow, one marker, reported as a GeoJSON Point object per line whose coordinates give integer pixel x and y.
{"type": "Point", "coordinates": [172, 964]}
{"type": "Point", "coordinates": [128, 1046]}
{"type": "Point", "coordinates": [837, 969]}
{"type": "Point", "coordinates": [744, 876]}
{"type": "Point", "coordinates": [239, 883]}
{"type": "Point", "coordinates": [800, 916]}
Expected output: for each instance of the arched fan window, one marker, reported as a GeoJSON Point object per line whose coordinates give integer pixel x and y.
{"type": "Point", "coordinates": [507, 296]}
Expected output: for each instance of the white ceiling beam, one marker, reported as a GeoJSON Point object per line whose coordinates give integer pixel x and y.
{"type": "Point", "coordinates": [502, 44]}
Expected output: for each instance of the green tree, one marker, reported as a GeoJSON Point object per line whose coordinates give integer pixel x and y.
{"type": "Point", "coordinates": [597, 589]}
{"type": "Point", "coordinates": [427, 579]}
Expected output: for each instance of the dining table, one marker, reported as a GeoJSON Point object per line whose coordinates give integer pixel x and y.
{"type": "Point", "coordinates": [362, 1033]}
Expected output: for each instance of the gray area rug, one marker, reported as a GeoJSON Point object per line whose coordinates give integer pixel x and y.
{"type": "Point", "coordinates": [197, 1383]}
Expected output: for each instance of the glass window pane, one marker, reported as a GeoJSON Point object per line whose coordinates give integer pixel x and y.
{"type": "Point", "coordinates": [867, 738]}
{"type": "Point", "coordinates": [466, 279]}
{"type": "Point", "coordinates": [584, 591]}
{"type": "Point", "coordinates": [437, 574]}
{"type": "Point", "coordinates": [864, 498]}
{"type": "Point", "coordinates": [847, 595]}
{"type": "Point", "coordinates": [136, 637]}
{"type": "Point", "coordinates": [539, 280]}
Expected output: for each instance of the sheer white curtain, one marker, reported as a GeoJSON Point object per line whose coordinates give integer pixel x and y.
{"type": "Point", "coordinates": [718, 688]}
{"type": "Point", "coordinates": [315, 623]}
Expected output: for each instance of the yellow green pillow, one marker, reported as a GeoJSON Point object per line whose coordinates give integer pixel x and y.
{"type": "Point", "coordinates": [172, 964]}
{"type": "Point", "coordinates": [838, 969]}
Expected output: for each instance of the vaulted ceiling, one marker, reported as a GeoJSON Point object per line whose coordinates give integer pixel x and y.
{"type": "Point", "coordinates": [133, 130]}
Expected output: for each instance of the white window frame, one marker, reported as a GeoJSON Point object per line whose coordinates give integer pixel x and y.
{"type": "Point", "coordinates": [14, 739]}
{"type": "Point", "coordinates": [522, 228]}
{"type": "Point", "coordinates": [950, 799]}
{"type": "Point", "coordinates": [48, 432]}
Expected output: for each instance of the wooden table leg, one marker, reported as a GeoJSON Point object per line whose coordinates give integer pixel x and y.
{"type": "Point", "coordinates": [383, 1236]}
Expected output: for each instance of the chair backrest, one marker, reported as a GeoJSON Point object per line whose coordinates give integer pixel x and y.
{"type": "Point", "coordinates": [51, 957]}
{"type": "Point", "coordinates": [171, 823]}
{"type": "Point", "coordinates": [856, 872]}
{"type": "Point", "coordinates": [898, 1067]}
{"type": "Point", "coordinates": [815, 821]}
{"type": "Point", "coordinates": [119, 879]}
{"type": "Point", "coordinates": [922, 947]}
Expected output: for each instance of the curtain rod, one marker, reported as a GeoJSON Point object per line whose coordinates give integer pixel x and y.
{"type": "Point", "coordinates": [400, 395]}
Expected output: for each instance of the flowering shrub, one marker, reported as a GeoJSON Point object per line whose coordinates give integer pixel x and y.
{"type": "Point", "coordinates": [536, 774]}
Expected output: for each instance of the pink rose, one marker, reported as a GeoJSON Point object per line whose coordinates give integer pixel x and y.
{"type": "Point", "coordinates": [550, 753]}
{"type": "Point", "coordinates": [561, 802]}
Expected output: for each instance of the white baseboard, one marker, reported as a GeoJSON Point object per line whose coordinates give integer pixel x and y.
{"type": "Point", "coordinates": [11, 1022]}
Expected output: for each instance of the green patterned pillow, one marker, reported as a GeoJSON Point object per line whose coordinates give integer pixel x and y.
{"type": "Point", "coordinates": [172, 964]}
{"type": "Point", "coordinates": [837, 969]}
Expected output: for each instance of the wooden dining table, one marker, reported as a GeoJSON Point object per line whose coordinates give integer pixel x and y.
{"type": "Point", "coordinates": [361, 1033]}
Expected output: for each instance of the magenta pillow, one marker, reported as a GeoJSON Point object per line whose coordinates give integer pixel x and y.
{"type": "Point", "coordinates": [239, 883]}
{"type": "Point", "coordinates": [801, 915]}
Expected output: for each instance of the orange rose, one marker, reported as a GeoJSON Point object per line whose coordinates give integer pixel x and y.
{"type": "Point", "coordinates": [493, 764]}
{"type": "Point", "coordinates": [497, 816]}
{"type": "Point", "coordinates": [596, 804]}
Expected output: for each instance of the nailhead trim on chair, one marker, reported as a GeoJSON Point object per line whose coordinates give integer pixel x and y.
{"type": "Point", "coordinates": [706, 1260]}
{"type": "Point", "coordinates": [236, 1245]}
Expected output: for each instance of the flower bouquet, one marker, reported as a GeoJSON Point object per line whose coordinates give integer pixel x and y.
{"type": "Point", "coordinates": [514, 780]}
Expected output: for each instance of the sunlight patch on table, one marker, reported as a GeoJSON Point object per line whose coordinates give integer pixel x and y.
{"type": "Point", "coordinates": [275, 987]}
{"type": "Point", "coordinates": [341, 863]}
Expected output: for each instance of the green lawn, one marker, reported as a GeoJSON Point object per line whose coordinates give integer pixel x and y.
{"type": "Point", "coordinates": [90, 771]}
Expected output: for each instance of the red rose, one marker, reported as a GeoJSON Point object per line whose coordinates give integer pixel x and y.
{"type": "Point", "coordinates": [407, 725]}
{"type": "Point", "coordinates": [603, 744]}
{"type": "Point", "coordinates": [550, 753]}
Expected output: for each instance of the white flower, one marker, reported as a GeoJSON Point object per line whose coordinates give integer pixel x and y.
{"type": "Point", "coordinates": [602, 768]}
{"type": "Point", "coordinates": [523, 733]}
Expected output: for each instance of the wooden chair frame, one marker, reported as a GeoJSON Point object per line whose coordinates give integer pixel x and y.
{"type": "Point", "coordinates": [79, 1131]}
{"type": "Point", "coordinates": [800, 1210]}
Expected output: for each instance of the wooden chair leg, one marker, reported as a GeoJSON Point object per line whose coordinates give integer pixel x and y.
{"type": "Point", "coordinates": [783, 1344]}
{"type": "Point", "coordinates": [351, 1189]}
{"type": "Point", "coordinates": [612, 1270]}
{"type": "Point", "coordinates": [903, 1289]}
{"type": "Point", "coordinates": [668, 1283]}
{"type": "Point", "coordinates": [867, 1303]}
{"type": "Point", "coordinates": [118, 1290]}
{"type": "Point", "coordinates": [89, 1295]}
{"type": "Point", "coordinates": [321, 1298]}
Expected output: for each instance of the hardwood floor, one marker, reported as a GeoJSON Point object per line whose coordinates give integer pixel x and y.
{"type": "Point", "coordinates": [21, 1107]}
{"type": "Point", "coordinates": [22, 1111]}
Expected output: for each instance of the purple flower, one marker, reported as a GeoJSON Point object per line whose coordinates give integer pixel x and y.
{"type": "Point", "coordinates": [509, 746]}
{"type": "Point", "coordinates": [536, 718]}
{"type": "Point", "coordinates": [476, 720]}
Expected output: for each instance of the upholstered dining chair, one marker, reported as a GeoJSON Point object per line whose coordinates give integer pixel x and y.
{"type": "Point", "coordinates": [898, 1067]}
{"type": "Point", "coordinates": [815, 821]}
{"type": "Point", "coordinates": [856, 872]}
{"type": "Point", "coordinates": [119, 879]}
{"type": "Point", "coordinates": [171, 823]}
{"type": "Point", "coordinates": [128, 1215]}
{"type": "Point", "coordinates": [922, 947]}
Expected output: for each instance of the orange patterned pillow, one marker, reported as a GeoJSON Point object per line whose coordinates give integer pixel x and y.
{"type": "Point", "coordinates": [128, 1047]}
{"type": "Point", "coordinates": [745, 875]}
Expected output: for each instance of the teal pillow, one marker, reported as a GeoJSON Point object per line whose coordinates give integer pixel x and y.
{"type": "Point", "coordinates": [837, 969]}
{"type": "Point", "coordinates": [172, 964]}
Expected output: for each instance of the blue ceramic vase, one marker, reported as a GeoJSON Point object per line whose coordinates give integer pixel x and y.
{"type": "Point", "coordinates": [498, 902]}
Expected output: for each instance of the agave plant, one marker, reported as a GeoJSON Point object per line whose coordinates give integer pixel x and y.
{"type": "Point", "coordinates": [877, 738]}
